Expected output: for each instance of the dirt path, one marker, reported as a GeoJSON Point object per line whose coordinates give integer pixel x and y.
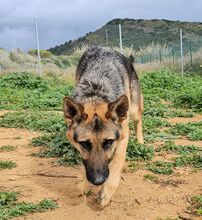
{"type": "Point", "coordinates": [38, 178]}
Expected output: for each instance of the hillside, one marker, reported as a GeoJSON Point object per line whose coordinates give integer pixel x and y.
{"type": "Point", "coordinates": [138, 33]}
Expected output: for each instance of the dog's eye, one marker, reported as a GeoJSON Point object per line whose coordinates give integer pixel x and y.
{"type": "Point", "coordinates": [107, 144]}
{"type": "Point", "coordinates": [86, 145]}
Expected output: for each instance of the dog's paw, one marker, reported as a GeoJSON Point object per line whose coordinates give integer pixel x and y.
{"type": "Point", "coordinates": [103, 200]}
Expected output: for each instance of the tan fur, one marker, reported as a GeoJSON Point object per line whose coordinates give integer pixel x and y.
{"type": "Point", "coordinates": [114, 119]}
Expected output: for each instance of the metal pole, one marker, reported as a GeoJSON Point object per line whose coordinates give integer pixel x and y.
{"type": "Point", "coordinates": [107, 39]}
{"type": "Point", "coordinates": [173, 54]}
{"type": "Point", "coordinates": [181, 54]}
{"type": "Point", "coordinates": [120, 39]}
{"type": "Point", "coordinates": [190, 51]}
{"type": "Point", "coordinates": [37, 44]}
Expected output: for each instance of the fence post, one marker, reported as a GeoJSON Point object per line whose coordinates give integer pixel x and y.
{"type": "Point", "coordinates": [173, 54]}
{"type": "Point", "coordinates": [181, 54]}
{"type": "Point", "coordinates": [107, 38]}
{"type": "Point", "coordinates": [38, 48]}
{"type": "Point", "coordinates": [120, 39]}
{"type": "Point", "coordinates": [190, 51]}
{"type": "Point", "coordinates": [160, 56]}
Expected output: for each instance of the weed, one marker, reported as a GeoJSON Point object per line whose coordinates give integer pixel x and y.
{"type": "Point", "coordinates": [134, 166]}
{"type": "Point", "coordinates": [27, 91]}
{"type": "Point", "coordinates": [5, 164]}
{"type": "Point", "coordinates": [34, 120]}
{"type": "Point", "coordinates": [183, 92]}
{"type": "Point", "coordinates": [196, 205]}
{"type": "Point", "coordinates": [180, 113]}
{"type": "Point", "coordinates": [7, 198]}
{"type": "Point", "coordinates": [150, 177]}
{"type": "Point", "coordinates": [193, 130]}
{"type": "Point", "coordinates": [58, 145]}
{"type": "Point", "coordinates": [161, 167]}
{"type": "Point", "coordinates": [138, 152]}
{"type": "Point", "coordinates": [23, 80]}
{"type": "Point", "coordinates": [10, 208]}
{"type": "Point", "coordinates": [189, 160]}
{"type": "Point", "coordinates": [6, 148]}
{"type": "Point", "coordinates": [169, 146]}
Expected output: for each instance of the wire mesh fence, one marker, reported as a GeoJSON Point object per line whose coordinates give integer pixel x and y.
{"type": "Point", "coordinates": [41, 45]}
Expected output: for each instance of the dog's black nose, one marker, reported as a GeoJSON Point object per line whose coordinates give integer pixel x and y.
{"type": "Point", "coordinates": [98, 180]}
{"type": "Point", "coordinates": [97, 177]}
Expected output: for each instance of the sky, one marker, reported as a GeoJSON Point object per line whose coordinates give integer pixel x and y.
{"type": "Point", "coordinates": [62, 20]}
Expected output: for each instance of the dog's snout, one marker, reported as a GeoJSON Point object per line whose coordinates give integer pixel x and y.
{"type": "Point", "coordinates": [97, 176]}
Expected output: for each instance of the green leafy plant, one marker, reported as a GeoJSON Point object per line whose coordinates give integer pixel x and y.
{"type": "Point", "coordinates": [6, 148]}
{"type": "Point", "coordinates": [150, 177]}
{"type": "Point", "coordinates": [5, 164]}
{"type": "Point", "coordinates": [34, 120]}
{"type": "Point", "coordinates": [169, 146]}
{"type": "Point", "coordinates": [161, 167]}
{"type": "Point", "coordinates": [193, 130]}
{"type": "Point", "coordinates": [196, 205]}
{"type": "Point", "coordinates": [138, 152]}
{"type": "Point", "coordinates": [10, 208]}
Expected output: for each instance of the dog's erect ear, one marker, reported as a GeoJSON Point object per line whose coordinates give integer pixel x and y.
{"type": "Point", "coordinates": [118, 110]}
{"type": "Point", "coordinates": [73, 111]}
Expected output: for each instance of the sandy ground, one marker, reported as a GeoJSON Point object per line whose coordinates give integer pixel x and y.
{"type": "Point", "coordinates": [137, 199]}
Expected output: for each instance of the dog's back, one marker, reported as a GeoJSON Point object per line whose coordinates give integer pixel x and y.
{"type": "Point", "coordinates": [107, 87]}
{"type": "Point", "coordinates": [104, 75]}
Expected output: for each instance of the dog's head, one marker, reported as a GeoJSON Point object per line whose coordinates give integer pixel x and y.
{"type": "Point", "coordinates": [95, 130]}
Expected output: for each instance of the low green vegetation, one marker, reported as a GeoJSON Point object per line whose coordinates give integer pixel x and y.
{"type": "Point", "coordinates": [56, 144]}
{"type": "Point", "coordinates": [36, 100]}
{"type": "Point", "coordinates": [190, 156]}
{"type": "Point", "coordinates": [10, 208]}
{"type": "Point", "coordinates": [34, 120]}
{"type": "Point", "coordinates": [5, 164]}
{"type": "Point", "coordinates": [194, 160]}
{"type": "Point", "coordinates": [169, 146]}
{"type": "Point", "coordinates": [139, 152]}
{"type": "Point", "coordinates": [161, 167]}
{"type": "Point", "coordinates": [28, 91]}
{"type": "Point", "coordinates": [184, 92]}
{"type": "Point", "coordinates": [150, 177]}
{"type": "Point", "coordinates": [6, 148]}
{"type": "Point", "coordinates": [167, 168]}
{"type": "Point", "coordinates": [196, 205]}
{"type": "Point", "coordinates": [192, 130]}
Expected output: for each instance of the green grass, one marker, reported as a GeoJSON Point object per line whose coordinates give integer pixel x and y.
{"type": "Point", "coordinates": [167, 168]}
{"type": "Point", "coordinates": [7, 148]}
{"type": "Point", "coordinates": [196, 205]}
{"type": "Point", "coordinates": [28, 91]}
{"type": "Point", "coordinates": [169, 146]}
{"type": "Point", "coordinates": [34, 120]}
{"type": "Point", "coordinates": [56, 144]}
{"type": "Point", "coordinates": [150, 177]}
{"type": "Point", "coordinates": [161, 167]}
{"type": "Point", "coordinates": [183, 92]}
{"type": "Point", "coordinates": [5, 164]}
{"type": "Point", "coordinates": [192, 130]}
{"type": "Point", "coordinates": [180, 113]}
{"type": "Point", "coordinates": [10, 208]}
{"type": "Point", "coordinates": [139, 152]}
{"type": "Point", "coordinates": [194, 160]}
{"type": "Point", "coordinates": [35, 95]}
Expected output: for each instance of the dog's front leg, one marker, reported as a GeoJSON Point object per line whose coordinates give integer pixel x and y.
{"type": "Point", "coordinates": [115, 167]}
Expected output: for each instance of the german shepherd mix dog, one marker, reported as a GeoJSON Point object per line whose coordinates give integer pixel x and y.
{"type": "Point", "coordinates": [107, 89]}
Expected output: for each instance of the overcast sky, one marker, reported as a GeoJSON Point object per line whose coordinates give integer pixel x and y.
{"type": "Point", "coordinates": [62, 20]}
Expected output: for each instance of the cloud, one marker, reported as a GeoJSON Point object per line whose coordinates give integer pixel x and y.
{"type": "Point", "coordinates": [61, 20]}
